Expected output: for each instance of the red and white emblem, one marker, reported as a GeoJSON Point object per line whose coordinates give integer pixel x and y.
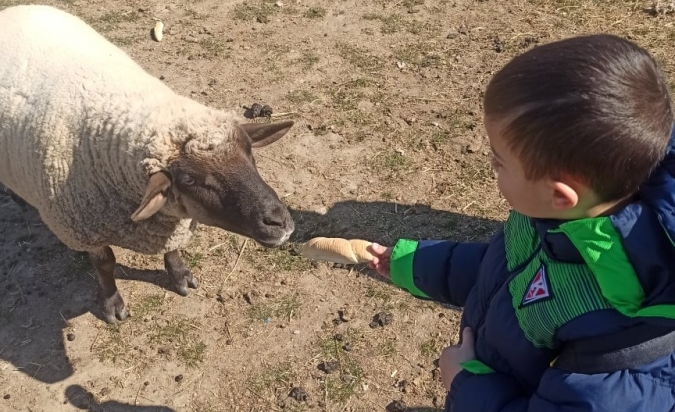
{"type": "Point", "coordinates": [538, 289]}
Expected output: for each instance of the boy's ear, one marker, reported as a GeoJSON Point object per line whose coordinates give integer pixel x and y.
{"type": "Point", "coordinates": [563, 196]}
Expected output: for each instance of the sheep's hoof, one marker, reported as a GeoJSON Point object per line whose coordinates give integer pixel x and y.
{"type": "Point", "coordinates": [192, 282]}
{"type": "Point", "coordinates": [113, 309]}
{"type": "Point", "coordinates": [184, 279]}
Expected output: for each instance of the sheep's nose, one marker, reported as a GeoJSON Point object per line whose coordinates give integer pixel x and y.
{"type": "Point", "coordinates": [280, 217]}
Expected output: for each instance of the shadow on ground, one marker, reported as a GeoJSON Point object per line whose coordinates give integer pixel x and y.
{"type": "Point", "coordinates": [44, 284]}
{"type": "Point", "coordinates": [385, 222]}
{"type": "Point", "coordinates": [83, 399]}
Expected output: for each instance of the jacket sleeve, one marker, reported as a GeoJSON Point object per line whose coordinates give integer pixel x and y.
{"type": "Point", "coordinates": [559, 391]}
{"type": "Point", "coordinates": [441, 270]}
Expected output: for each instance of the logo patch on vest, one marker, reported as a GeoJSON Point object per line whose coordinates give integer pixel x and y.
{"type": "Point", "coordinates": [538, 289]}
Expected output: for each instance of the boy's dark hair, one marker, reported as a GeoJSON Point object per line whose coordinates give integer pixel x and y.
{"type": "Point", "coordinates": [596, 108]}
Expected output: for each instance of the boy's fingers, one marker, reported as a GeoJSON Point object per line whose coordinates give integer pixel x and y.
{"type": "Point", "coordinates": [379, 249]}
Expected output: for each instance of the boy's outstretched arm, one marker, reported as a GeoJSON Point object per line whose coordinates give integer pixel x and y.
{"type": "Point", "coordinates": [444, 271]}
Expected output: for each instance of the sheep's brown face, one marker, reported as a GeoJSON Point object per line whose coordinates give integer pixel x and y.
{"type": "Point", "coordinates": [223, 188]}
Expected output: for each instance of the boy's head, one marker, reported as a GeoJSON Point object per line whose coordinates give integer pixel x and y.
{"type": "Point", "coordinates": [577, 124]}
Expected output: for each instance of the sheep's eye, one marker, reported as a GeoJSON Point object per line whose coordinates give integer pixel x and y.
{"type": "Point", "coordinates": [187, 180]}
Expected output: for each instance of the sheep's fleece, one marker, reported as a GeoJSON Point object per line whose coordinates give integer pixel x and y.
{"type": "Point", "coordinates": [82, 126]}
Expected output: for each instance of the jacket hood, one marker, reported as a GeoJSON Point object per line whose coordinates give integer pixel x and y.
{"type": "Point", "coordinates": [658, 193]}
{"type": "Point", "coordinates": [647, 230]}
{"type": "Point", "coordinates": [632, 252]}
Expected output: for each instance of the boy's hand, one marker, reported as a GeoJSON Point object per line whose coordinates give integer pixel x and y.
{"type": "Point", "coordinates": [453, 356]}
{"type": "Point", "coordinates": [381, 258]}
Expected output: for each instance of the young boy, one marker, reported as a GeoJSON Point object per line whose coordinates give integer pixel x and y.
{"type": "Point", "coordinates": [581, 137]}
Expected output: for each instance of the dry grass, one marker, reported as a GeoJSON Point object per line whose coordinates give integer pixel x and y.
{"type": "Point", "coordinates": [392, 92]}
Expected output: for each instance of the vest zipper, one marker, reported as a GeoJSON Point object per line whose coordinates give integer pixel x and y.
{"type": "Point", "coordinates": [506, 278]}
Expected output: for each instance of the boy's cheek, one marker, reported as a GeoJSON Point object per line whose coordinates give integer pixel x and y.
{"type": "Point", "coordinates": [503, 187]}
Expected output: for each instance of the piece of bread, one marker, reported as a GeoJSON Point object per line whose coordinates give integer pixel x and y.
{"type": "Point", "coordinates": [337, 250]}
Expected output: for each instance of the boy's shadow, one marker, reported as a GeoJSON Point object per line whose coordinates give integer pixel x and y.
{"type": "Point", "coordinates": [40, 293]}
{"type": "Point", "coordinates": [385, 223]}
{"type": "Point", "coordinates": [83, 399]}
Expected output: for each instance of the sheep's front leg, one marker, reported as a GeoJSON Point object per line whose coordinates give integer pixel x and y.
{"type": "Point", "coordinates": [103, 261]}
{"type": "Point", "coordinates": [182, 277]}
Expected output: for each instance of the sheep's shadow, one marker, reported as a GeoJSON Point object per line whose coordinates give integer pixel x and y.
{"type": "Point", "coordinates": [37, 296]}
{"type": "Point", "coordinates": [83, 399]}
{"type": "Point", "coordinates": [45, 284]}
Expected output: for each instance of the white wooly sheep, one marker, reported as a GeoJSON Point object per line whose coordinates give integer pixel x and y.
{"type": "Point", "coordinates": [109, 155]}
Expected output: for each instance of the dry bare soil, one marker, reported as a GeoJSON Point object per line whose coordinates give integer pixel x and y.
{"type": "Point", "coordinates": [388, 143]}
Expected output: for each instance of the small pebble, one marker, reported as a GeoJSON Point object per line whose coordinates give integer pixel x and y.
{"type": "Point", "coordinates": [146, 383]}
{"type": "Point", "coordinates": [382, 319]}
{"type": "Point", "coordinates": [498, 45]}
{"type": "Point", "coordinates": [179, 378]}
{"type": "Point", "coordinates": [157, 31]}
{"type": "Point", "coordinates": [6, 396]}
{"type": "Point", "coordinates": [403, 386]}
{"type": "Point", "coordinates": [347, 347]}
{"type": "Point", "coordinates": [70, 337]}
{"type": "Point", "coordinates": [329, 367]}
{"type": "Point", "coordinates": [344, 315]}
{"type": "Point", "coordinates": [299, 394]}
{"type": "Point", "coordinates": [473, 147]}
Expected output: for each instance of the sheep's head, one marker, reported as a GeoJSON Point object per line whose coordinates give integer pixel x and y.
{"type": "Point", "coordinates": [221, 187]}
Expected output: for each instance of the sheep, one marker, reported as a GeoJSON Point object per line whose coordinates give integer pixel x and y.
{"type": "Point", "coordinates": [111, 156]}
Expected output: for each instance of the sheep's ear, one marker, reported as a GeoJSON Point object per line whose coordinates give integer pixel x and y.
{"type": "Point", "coordinates": [262, 134]}
{"type": "Point", "coordinates": [154, 198]}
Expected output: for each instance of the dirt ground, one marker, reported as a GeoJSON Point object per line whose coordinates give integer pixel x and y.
{"type": "Point", "coordinates": [388, 143]}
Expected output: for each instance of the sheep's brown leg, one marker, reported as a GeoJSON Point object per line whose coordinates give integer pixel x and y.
{"type": "Point", "coordinates": [182, 277]}
{"type": "Point", "coordinates": [103, 260]}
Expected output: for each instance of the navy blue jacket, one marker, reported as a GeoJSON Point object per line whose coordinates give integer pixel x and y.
{"type": "Point", "coordinates": [517, 339]}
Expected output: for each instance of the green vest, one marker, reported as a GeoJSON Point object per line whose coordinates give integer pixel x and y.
{"type": "Point", "coordinates": [546, 294]}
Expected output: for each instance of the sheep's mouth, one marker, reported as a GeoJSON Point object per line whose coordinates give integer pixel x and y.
{"type": "Point", "coordinates": [268, 240]}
